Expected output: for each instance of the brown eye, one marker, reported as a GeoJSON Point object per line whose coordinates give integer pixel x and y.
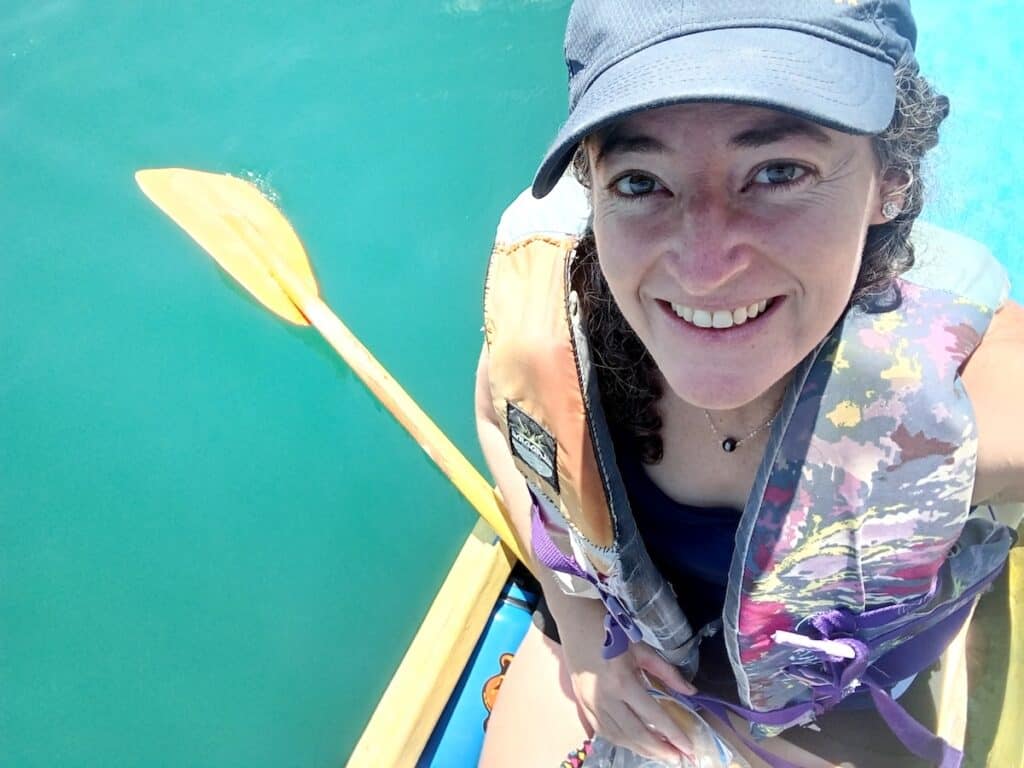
{"type": "Point", "coordinates": [635, 185]}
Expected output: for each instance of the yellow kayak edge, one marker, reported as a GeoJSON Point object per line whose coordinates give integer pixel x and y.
{"type": "Point", "coordinates": [413, 701]}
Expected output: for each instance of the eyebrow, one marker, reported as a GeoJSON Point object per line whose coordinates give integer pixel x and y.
{"type": "Point", "coordinates": [622, 143]}
{"type": "Point", "coordinates": [777, 130]}
{"type": "Point", "coordinates": [770, 132]}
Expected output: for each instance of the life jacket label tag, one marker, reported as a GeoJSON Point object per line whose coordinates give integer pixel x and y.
{"type": "Point", "coordinates": [533, 445]}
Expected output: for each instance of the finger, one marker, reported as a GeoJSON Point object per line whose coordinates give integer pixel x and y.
{"type": "Point", "coordinates": [650, 661]}
{"type": "Point", "coordinates": [584, 708]}
{"type": "Point", "coordinates": [641, 736]}
{"type": "Point", "coordinates": [589, 718]}
{"type": "Point", "coordinates": [651, 713]}
{"type": "Point", "coordinates": [611, 728]}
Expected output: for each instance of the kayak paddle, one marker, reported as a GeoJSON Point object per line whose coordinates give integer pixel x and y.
{"type": "Point", "coordinates": [254, 243]}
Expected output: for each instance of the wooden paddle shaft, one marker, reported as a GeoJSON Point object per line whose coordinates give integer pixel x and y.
{"type": "Point", "coordinates": [431, 439]}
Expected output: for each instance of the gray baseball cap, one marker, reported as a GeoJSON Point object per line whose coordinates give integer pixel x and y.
{"type": "Point", "coordinates": [831, 61]}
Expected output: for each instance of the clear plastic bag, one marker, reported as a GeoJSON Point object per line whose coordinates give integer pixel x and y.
{"type": "Point", "coordinates": [604, 754]}
{"type": "Point", "coordinates": [709, 750]}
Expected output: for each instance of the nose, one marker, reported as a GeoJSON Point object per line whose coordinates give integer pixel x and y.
{"type": "Point", "coordinates": [704, 248]}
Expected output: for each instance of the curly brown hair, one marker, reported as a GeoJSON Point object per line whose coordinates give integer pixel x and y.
{"type": "Point", "coordinates": [627, 375]}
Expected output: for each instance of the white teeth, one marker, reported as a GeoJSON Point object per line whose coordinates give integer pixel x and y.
{"type": "Point", "coordinates": [720, 318]}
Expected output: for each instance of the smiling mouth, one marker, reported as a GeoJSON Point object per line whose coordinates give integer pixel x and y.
{"type": "Point", "coordinates": [721, 318]}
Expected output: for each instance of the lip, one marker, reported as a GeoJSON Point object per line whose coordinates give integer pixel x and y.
{"type": "Point", "coordinates": [736, 333]}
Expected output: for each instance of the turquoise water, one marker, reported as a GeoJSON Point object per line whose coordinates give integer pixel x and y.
{"type": "Point", "coordinates": [214, 545]}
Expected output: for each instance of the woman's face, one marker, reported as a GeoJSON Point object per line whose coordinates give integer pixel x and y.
{"type": "Point", "coordinates": [730, 237]}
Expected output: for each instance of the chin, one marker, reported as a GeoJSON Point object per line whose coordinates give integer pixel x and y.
{"type": "Point", "coordinates": [718, 392]}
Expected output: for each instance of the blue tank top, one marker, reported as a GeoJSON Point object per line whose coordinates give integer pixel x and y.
{"type": "Point", "coordinates": [691, 546]}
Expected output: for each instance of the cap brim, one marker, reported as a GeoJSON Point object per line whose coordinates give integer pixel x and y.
{"type": "Point", "coordinates": [781, 69]}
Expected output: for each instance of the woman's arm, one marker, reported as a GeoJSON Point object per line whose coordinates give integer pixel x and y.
{"type": "Point", "coordinates": [611, 693]}
{"type": "Point", "coordinates": [513, 491]}
{"type": "Point", "coordinates": [994, 379]}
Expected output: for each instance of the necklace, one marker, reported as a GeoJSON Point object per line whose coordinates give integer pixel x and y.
{"type": "Point", "coordinates": [730, 444]}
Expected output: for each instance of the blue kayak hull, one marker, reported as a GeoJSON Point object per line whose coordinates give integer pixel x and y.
{"type": "Point", "coordinates": [459, 735]}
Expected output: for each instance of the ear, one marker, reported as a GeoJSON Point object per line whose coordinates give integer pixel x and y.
{"type": "Point", "coordinates": [891, 189]}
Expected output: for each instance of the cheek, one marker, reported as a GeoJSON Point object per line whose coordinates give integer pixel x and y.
{"type": "Point", "coordinates": [827, 273]}
{"type": "Point", "coordinates": [819, 244]}
{"type": "Point", "coordinates": [616, 254]}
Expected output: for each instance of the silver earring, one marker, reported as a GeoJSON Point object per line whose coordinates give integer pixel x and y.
{"type": "Point", "coordinates": [891, 209]}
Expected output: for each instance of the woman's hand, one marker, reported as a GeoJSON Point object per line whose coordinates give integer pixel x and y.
{"type": "Point", "coordinates": [613, 693]}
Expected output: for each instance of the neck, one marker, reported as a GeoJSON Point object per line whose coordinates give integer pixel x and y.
{"type": "Point", "coordinates": [695, 468]}
{"type": "Point", "coordinates": [762, 407]}
{"type": "Point", "coordinates": [736, 421]}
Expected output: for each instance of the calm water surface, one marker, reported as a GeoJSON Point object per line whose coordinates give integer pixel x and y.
{"type": "Point", "coordinates": [214, 545]}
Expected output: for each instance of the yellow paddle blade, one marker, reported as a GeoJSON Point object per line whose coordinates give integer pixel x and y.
{"type": "Point", "coordinates": [243, 231]}
{"type": "Point", "coordinates": [257, 246]}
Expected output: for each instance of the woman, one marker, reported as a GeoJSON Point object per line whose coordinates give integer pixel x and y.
{"type": "Point", "coordinates": [725, 363]}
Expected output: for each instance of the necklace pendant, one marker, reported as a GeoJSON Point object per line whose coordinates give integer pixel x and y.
{"type": "Point", "coordinates": [729, 444]}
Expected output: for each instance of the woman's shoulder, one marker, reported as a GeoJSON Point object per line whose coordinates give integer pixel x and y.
{"type": "Point", "coordinates": [958, 271]}
{"type": "Point", "coordinates": [950, 262]}
{"type": "Point", "coordinates": [564, 211]}
{"type": "Point", "coordinates": [993, 377]}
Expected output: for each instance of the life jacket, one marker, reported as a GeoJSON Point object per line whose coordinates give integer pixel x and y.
{"type": "Point", "coordinates": [857, 557]}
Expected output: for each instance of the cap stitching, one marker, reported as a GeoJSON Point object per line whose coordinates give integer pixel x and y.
{"type": "Point", "coordinates": [770, 79]}
{"type": "Point", "coordinates": [634, 76]}
{"type": "Point", "coordinates": [878, 29]}
{"type": "Point", "coordinates": [873, 51]}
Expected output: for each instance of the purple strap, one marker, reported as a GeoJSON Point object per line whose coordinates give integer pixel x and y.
{"type": "Point", "coordinates": [914, 736]}
{"type": "Point", "coordinates": [619, 628]}
{"type": "Point", "coordinates": [715, 708]}
{"type": "Point", "coordinates": [616, 642]}
{"type": "Point", "coordinates": [911, 733]}
{"type": "Point", "coordinates": [548, 554]}
{"type": "Point", "coordinates": [842, 666]}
